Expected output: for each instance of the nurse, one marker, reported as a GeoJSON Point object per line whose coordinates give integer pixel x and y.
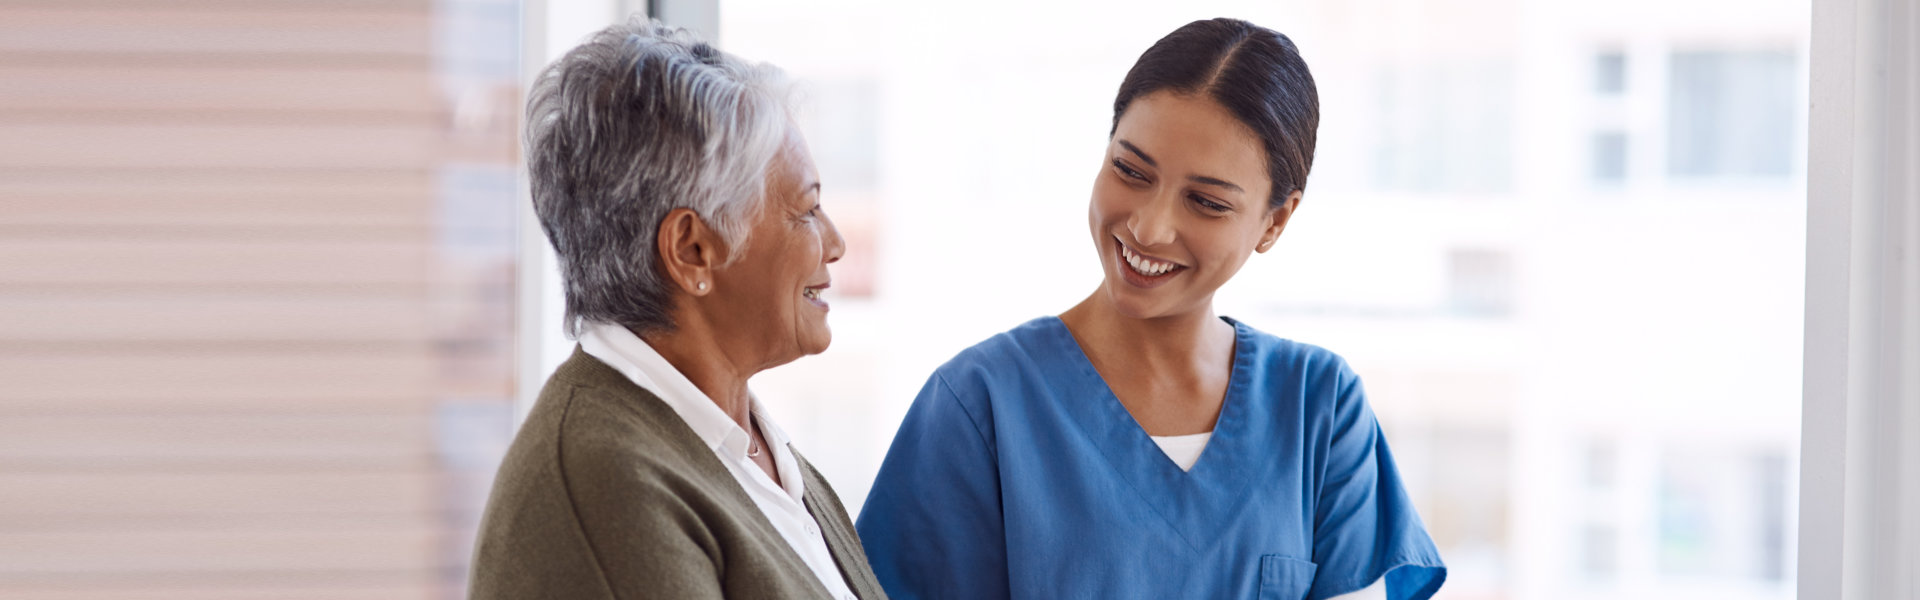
{"type": "Point", "coordinates": [1138, 445]}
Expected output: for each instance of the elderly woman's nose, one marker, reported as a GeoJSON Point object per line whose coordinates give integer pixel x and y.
{"type": "Point", "coordinates": [835, 245]}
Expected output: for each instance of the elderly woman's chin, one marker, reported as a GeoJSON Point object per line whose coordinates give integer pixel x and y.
{"type": "Point", "coordinates": [816, 337]}
{"type": "Point", "coordinates": [811, 333]}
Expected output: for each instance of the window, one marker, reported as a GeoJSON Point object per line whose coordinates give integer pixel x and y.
{"type": "Point", "coordinates": [1732, 113]}
{"type": "Point", "coordinates": [1480, 282]}
{"type": "Point", "coordinates": [1443, 126]}
{"type": "Point", "coordinates": [1599, 552]}
{"type": "Point", "coordinates": [1610, 73]}
{"type": "Point", "coordinates": [1721, 513]}
{"type": "Point", "coordinates": [1609, 157]}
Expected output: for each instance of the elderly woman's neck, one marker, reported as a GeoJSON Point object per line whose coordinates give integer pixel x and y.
{"type": "Point", "coordinates": [696, 355]}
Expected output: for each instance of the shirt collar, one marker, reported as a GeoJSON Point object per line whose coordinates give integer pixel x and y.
{"type": "Point", "coordinates": [619, 348]}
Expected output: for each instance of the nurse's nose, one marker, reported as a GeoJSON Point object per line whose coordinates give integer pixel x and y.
{"type": "Point", "coordinates": [1152, 224]}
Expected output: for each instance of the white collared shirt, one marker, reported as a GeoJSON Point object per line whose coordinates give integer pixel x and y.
{"type": "Point", "coordinates": [783, 503]}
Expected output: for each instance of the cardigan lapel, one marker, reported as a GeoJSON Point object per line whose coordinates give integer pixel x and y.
{"type": "Point", "coordinates": [583, 368]}
{"type": "Point", "coordinates": [843, 542]}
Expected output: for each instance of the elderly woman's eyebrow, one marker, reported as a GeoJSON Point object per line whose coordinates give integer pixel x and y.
{"type": "Point", "coordinates": [1136, 152]}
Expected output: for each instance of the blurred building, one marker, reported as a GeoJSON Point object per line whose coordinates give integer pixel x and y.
{"type": "Point", "coordinates": [256, 263]}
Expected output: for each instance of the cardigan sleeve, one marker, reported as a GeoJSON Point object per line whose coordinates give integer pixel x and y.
{"type": "Point", "coordinates": [571, 518]}
{"type": "Point", "coordinates": [530, 544]}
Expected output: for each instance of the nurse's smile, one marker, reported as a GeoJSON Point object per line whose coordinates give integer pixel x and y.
{"type": "Point", "coordinates": [1143, 270]}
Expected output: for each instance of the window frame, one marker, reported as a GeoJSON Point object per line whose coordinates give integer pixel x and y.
{"type": "Point", "coordinates": [1860, 470]}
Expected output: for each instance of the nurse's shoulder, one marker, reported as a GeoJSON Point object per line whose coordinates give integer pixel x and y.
{"type": "Point", "coordinates": [1006, 358]}
{"type": "Point", "coordinates": [960, 394]}
{"type": "Point", "coordinates": [1320, 375]}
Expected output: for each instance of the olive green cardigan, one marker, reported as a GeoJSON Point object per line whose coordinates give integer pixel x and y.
{"type": "Point", "coordinates": [606, 493]}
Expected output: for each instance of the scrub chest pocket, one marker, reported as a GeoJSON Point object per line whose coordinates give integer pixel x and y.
{"type": "Point", "coordinates": [1283, 578]}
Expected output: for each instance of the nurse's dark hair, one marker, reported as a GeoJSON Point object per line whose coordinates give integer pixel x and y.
{"type": "Point", "coordinates": [1255, 72]}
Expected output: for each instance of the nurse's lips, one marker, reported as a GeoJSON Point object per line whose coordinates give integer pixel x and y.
{"type": "Point", "coordinates": [1144, 270]}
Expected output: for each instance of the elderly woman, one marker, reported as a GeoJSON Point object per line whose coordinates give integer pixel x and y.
{"type": "Point", "coordinates": [685, 211]}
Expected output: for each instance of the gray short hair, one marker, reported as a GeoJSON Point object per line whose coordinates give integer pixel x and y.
{"type": "Point", "coordinates": [641, 119]}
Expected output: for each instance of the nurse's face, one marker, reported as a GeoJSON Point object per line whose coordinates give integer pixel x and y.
{"type": "Point", "coordinates": [1181, 201]}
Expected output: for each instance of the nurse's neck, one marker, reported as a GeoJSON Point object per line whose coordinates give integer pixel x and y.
{"type": "Point", "coordinates": [1174, 339]}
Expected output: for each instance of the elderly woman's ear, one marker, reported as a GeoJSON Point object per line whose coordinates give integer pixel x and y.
{"type": "Point", "coordinates": [690, 250]}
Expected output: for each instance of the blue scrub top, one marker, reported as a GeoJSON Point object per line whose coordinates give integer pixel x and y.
{"type": "Point", "coordinates": [1018, 474]}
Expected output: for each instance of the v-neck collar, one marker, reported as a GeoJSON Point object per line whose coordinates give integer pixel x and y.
{"type": "Point", "coordinates": [1196, 503]}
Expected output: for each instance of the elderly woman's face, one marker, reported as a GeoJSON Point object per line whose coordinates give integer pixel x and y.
{"type": "Point", "coordinates": [771, 295]}
{"type": "Point", "coordinates": [1180, 203]}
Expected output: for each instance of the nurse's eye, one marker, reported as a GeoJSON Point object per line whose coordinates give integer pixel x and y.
{"type": "Point", "coordinates": [1209, 205]}
{"type": "Point", "coordinates": [1128, 172]}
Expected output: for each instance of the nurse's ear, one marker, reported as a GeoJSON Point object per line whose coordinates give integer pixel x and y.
{"type": "Point", "coordinates": [1277, 217]}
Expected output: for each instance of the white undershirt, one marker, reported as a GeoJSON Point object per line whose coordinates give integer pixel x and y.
{"type": "Point", "coordinates": [1183, 449]}
{"type": "Point", "coordinates": [783, 503]}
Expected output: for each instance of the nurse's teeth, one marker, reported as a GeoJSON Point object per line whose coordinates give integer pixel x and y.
{"type": "Point", "coordinates": [1146, 267]}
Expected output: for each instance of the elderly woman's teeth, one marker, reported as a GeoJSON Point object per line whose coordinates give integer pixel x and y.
{"type": "Point", "coordinates": [811, 293]}
{"type": "Point", "coordinates": [1148, 267]}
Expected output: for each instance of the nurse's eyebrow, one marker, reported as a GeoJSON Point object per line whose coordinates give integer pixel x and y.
{"type": "Point", "coordinates": [1136, 152]}
{"type": "Point", "coordinates": [1211, 181]}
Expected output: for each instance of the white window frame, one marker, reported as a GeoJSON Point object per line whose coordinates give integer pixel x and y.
{"type": "Point", "coordinates": [1860, 413]}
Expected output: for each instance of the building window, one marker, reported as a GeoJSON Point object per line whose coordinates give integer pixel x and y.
{"type": "Point", "coordinates": [1479, 282]}
{"type": "Point", "coordinates": [1772, 485]}
{"type": "Point", "coordinates": [1602, 464]}
{"type": "Point", "coordinates": [1599, 552]}
{"type": "Point", "coordinates": [1609, 157]}
{"type": "Point", "coordinates": [1722, 513]}
{"type": "Point", "coordinates": [1731, 114]}
{"type": "Point", "coordinates": [1610, 73]}
{"type": "Point", "coordinates": [1444, 127]}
